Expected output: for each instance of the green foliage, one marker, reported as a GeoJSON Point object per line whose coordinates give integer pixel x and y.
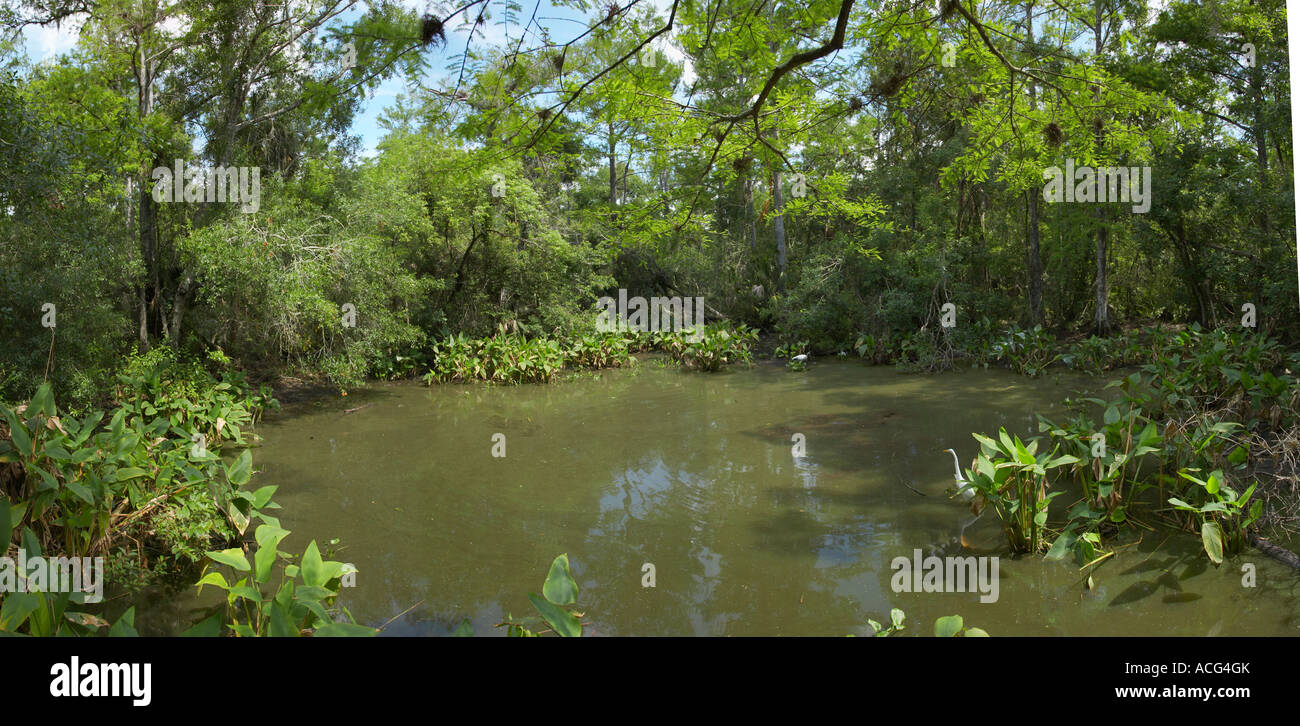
{"type": "Point", "coordinates": [502, 359]}
{"type": "Point", "coordinates": [712, 348]}
{"type": "Point", "coordinates": [1223, 515]}
{"type": "Point", "coordinates": [559, 591]}
{"type": "Point", "coordinates": [896, 618]}
{"type": "Point", "coordinates": [952, 626]}
{"type": "Point", "coordinates": [303, 603]}
{"type": "Point", "coordinates": [1028, 351]}
{"type": "Point", "coordinates": [45, 615]}
{"type": "Point", "coordinates": [1012, 478]}
{"type": "Point", "coordinates": [152, 474]}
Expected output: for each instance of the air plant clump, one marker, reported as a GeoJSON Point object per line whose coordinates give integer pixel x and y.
{"type": "Point", "coordinates": [431, 29]}
{"type": "Point", "coordinates": [1052, 132]}
{"type": "Point", "coordinates": [557, 60]}
{"type": "Point", "coordinates": [855, 103]}
{"type": "Point", "coordinates": [741, 164]}
{"type": "Point", "coordinates": [890, 85]}
{"type": "Point", "coordinates": [611, 11]}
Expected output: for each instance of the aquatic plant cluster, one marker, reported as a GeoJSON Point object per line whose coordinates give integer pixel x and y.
{"type": "Point", "coordinates": [511, 358]}
{"type": "Point", "coordinates": [1201, 437]}
{"type": "Point", "coordinates": [152, 486]}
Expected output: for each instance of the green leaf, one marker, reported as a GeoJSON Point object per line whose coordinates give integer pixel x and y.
{"type": "Point", "coordinates": [213, 578]}
{"type": "Point", "coordinates": [1112, 414]}
{"type": "Point", "coordinates": [130, 472]}
{"type": "Point", "coordinates": [17, 606]}
{"type": "Point", "coordinates": [560, 587]}
{"type": "Point", "coordinates": [561, 621]}
{"type": "Point", "coordinates": [42, 401]}
{"type": "Point", "coordinates": [209, 627]}
{"type": "Point", "coordinates": [281, 625]}
{"type": "Point", "coordinates": [313, 570]}
{"type": "Point", "coordinates": [242, 470]}
{"type": "Point", "coordinates": [947, 626]}
{"type": "Point", "coordinates": [125, 625]}
{"type": "Point", "coordinates": [976, 633]}
{"type": "Point", "coordinates": [268, 538]}
{"type": "Point", "coordinates": [345, 630]}
{"type": "Point", "coordinates": [263, 496]}
{"type": "Point", "coordinates": [1212, 537]}
{"type": "Point", "coordinates": [233, 557]}
{"type": "Point", "coordinates": [18, 432]}
{"type": "Point", "coordinates": [1062, 546]}
{"type": "Point", "coordinates": [465, 630]}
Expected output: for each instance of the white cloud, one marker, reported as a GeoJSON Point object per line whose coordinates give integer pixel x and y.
{"type": "Point", "coordinates": [45, 42]}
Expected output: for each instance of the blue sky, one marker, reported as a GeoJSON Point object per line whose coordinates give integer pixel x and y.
{"type": "Point", "coordinates": [42, 44]}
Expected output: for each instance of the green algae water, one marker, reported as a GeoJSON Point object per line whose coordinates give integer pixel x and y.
{"type": "Point", "coordinates": [697, 475]}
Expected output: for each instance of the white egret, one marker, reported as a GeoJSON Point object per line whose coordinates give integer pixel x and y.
{"type": "Point", "coordinates": [801, 358]}
{"type": "Point", "coordinates": [964, 488]}
{"type": "Point", "coordinates": [967, 493]}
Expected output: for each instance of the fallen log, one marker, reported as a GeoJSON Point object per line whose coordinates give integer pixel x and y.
{"type": "Point", "coordinates": [1281, 554]}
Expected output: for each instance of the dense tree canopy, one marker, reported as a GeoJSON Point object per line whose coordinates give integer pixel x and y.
{"type": "Point", "coordinates": [820, 169]}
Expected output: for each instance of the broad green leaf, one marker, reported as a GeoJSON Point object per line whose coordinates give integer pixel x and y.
{"type": "Point", "coordinates": [345, 630]}
{"type": "Point", "coordinates": [130, 472]}
{"type": "Point", "coordinates": [947, 626]}
{"type": "Point", "coordinates": [1212, 538]}
{"type": "Point", "coordinates": [262, 496]}
{"type": "Point", "coordinates": [233, 557]}
{"type": "Point", "coordinates": [561, 621]}
{"type": "Point", "coordinates": [560, 587]}
{"type": "Point", "coordinates": [1112, 414]}
{"type": "Point", "coordinates": [18, 433]}
{"type": "Point", "coordinates": [15, 609]}
{"type": "Point", "coordinates": [42, 401]}
{"type": "Point", "coordinates": [313, 570]}
{"type": "Point", "coordinates": [209, 627]}
{"type": "Point", "coordinates": [268, 538]}
{"type": "Point", "coordinates": [213, 578]}
{"type": "Point", "coordinates": [125, 625]}
{"type": "Point", "coordinates": [1062, 546]}
{"type": "Point", "coordinates": [281, 625]}
{"type": "Point", "coordinates": [242, 470]}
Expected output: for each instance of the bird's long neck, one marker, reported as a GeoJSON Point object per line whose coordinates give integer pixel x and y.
{"type": "Point", "coordinates": [956, 466]}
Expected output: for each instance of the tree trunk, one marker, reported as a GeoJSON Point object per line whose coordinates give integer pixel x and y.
{"type": "Point", "coordinates": [613, 178]}
{"type": "Point", "coordinates": [778, 228]}
{"type": "Point", "coordinates": [1101, 313]}
{"type": "Point", "coordinates": [1034, 263]}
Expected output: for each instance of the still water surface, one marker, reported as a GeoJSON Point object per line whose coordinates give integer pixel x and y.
{"type": "Point", "coordinates": [694, 473]}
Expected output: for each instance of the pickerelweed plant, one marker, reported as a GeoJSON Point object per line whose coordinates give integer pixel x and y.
{"type": "Point", "coordinates": [1012, 477]}
{"type": "Point", "coordinates": [1224, 516]}
{"type": "Point", "coordinates": [303, 603]}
